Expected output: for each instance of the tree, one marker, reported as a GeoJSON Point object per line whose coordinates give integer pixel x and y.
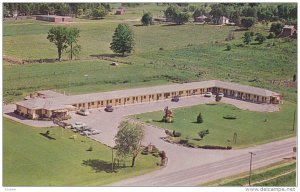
{"type": "Point", "coordinates": [99, 12]}
{"type": "Point", "coordinates": [128, 139]}
{"type": "Point", "coordinates": [247, 38]}
{"type": "Point", "coordinates": [181, 18]}
{"type": "Point", "coordinates": [147, 19]}
{"type": "Point", "coordinates": [260, 38]}
{"type": "Point", "coordinates": [276, 28]}
{"type": "Point", "coordinates": [58, 36]}
{"type": "Point", "coordinates": [247, 22]}
{"type": "Point", "coordinates": [123, 39]}
{"type": "Point", "coordinates": [72, 39]}
{"type": "Point", "coordinates": [171, 12]}
{"type": "Point", "coordinates": [199, 118]}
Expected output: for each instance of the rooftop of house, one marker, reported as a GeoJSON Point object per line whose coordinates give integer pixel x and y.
{"type": "Point", "coordinates": [62, 101]}
{"type": "Point", "coordinates": [289, 27]}
{"type": "Point", "coordinates": [202, 17]}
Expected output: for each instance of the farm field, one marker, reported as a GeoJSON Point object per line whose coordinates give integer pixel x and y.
{"type": "Point", "coordinates": [252, 128]}
{"type": "Point", "coordinates": [163, 54]}
{"type": "Point", "coordinates": [30, 159]}
{"type": "Point", "coordinates": [279, 174]}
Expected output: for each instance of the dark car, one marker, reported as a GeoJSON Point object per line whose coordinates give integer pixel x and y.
{"type": "Point", "coordinates": [109, 108]}
{"type": "Point", "coordinates": [175, 99]}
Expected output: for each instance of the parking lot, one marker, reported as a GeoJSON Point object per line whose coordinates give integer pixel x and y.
{"type": "Point", "coordinates": [107, 122]}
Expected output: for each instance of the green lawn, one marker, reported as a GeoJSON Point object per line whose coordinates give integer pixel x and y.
{"type": "Point", "coordinates": [251, 127]}
{"type": "Point", "coordinates": [282, 174]}
{"type": "Point", "coordinates": [163, 54]}
{"type": "Point", "coordinates": [30, 159]}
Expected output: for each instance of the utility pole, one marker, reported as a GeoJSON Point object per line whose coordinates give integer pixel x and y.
{"type": "Point", "coordinates": [112, 159]}
{"type": "Point", "coordinates": [294, 119]}
{"type": "Point", "coordinates": [250, 167]}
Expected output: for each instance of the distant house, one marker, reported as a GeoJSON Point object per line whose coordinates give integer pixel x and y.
{"type": "Point", "coordinates": [54, 18]}
{"type": "Point", "coordinates": [223, 20]}
{"type": "Point", "coordinates": [200, 19]}
{"type": "Point", "coordinates": [120, 11]}
{"type": "Point", "coordinates": [288, 31]}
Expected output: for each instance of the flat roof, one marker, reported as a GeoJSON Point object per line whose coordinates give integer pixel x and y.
{"type": "Point", "coordinates": [53, 16]}
{"type": "Point", "coordinates": [59, 102]}
{"type": "Point", "coordinates": [50, 94]}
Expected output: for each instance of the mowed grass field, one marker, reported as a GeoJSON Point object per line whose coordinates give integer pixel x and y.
{"type": "Point", "coordinates": [163, 54]}
{"type": "Point", "coordinates": [30, 159]}
{"type": "Point", "coordinates": [251, 127]}
{"type": "Point", "coordinates": [279, 174]}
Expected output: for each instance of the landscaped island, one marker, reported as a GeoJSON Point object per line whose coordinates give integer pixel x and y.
{"type": "Point", "coordinates": [251, 128]}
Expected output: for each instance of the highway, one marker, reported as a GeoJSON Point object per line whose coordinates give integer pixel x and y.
{"type": "Point", "coordinates": [237, 163]}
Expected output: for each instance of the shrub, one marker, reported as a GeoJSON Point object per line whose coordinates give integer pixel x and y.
{"type": "Point", "coordinates": [260, 38]}
{"type": "Point", "coordinates": [271, 35]}
{"type": "Point", "coordinates": [90, 148]}
{"type": "Point", "coordinates": [183, 141]}
{"type": "Point", "coordinates": [214, 147]}
{"type": "Point", "coordinates": [176, 134]}
{"type": "Point", "coordinates": [228, 47]}
{"type": "Point", "coordinates": [145, 152]}
{"type": "Point", "coordinates": [229, 117]}
{"type": "Point", "coordinates": [199, 118]}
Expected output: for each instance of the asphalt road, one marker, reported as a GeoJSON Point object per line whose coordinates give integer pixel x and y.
{"type": "Point", "coordinates": [265, 154]}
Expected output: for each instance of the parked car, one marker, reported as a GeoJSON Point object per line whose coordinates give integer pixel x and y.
{"type": "Point", "coordinates": [84, 112]}
{"type": "Point", "coordinates": [109, 108]}
{"type": "Point", "coordinates": [85, 133]}
{"type": "Point", "coordinates": [221, 94]}
{"type": "Point", "coordinates": [85, 128]}
{"type": "Point", "coordinates": [77, 125]}
{"type": "Point", "coordinates": [208, 94]}
{"type": "Point", "coordinates": [175, 99]}
{"type": "Point", "coordinates": [94, 132]}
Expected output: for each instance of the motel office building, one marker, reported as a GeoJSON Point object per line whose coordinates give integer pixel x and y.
{"type": "Point", "coordinates": [51, 104]}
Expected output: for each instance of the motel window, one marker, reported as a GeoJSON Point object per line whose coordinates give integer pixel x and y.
{"type": "Point", "coordinates": [98, 102]}
{"type": "Point", "coordinates": [128, 99]}
{"type": "Point", "coordinates": [101, 102]}
{"type": "Point", "coordinates": [92, 103]}
{"type": "Point", "coordinates": [110, 101]}
{"type": "Point", "coordinates": [119, 100]}
{"type": "Point", "coordinates": [144, 97]}
{"type": "Point", "coordinates": [79, 105]}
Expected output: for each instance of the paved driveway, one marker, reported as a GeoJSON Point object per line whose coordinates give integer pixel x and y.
{"type": "Point", "coordinates": [107, 123]}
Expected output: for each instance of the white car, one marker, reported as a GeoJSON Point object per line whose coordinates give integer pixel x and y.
{"type": "Point", "coordinates": [221, 94]}
{"type": "Point", "coordinates": [208, 94]}
{"type": "Point", "coordinates": [78, 125]}
{"type": "Point", "coordinates": [85, 133]}
{"type": "Point", "coordinates": [84, 112]}
{"type": "Point", "coordinates": [94, 132]}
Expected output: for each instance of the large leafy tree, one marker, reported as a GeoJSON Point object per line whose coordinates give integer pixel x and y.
{"type": "Point", "coordinates": [123, 40]}
{"type": "Point", "coordinates": [72, 39]}
{"type": "Point", "coordinates": [276, 28]}
{"type": "Point", "coordinates": [128, 139]}
{"type": "Point", "coordinates": [58, 36]}
{"type": "Point", "coordinates": [247, 22]}
{"type": "Point", "coordinates": [147, 19]}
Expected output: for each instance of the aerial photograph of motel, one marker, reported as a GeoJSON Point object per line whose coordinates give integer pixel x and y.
{"type": "Point", "coordinates": [140, 94]}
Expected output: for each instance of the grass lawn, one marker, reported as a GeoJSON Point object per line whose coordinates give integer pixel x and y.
{"type": "Point", "coordinates": [30, 159]}
{"type": "Point", "coordinates": [162, 54]}
{"type": "Point", "coordinates": [251, 127]}
{"type": "Point", "coordinates": [278, 174]}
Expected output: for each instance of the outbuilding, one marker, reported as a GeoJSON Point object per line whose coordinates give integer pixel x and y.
{"type": "Point", "coordinates": [54, 18]}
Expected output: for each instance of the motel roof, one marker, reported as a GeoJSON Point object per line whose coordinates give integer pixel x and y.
{"type": "Point", "coordinates": [62, 101]}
